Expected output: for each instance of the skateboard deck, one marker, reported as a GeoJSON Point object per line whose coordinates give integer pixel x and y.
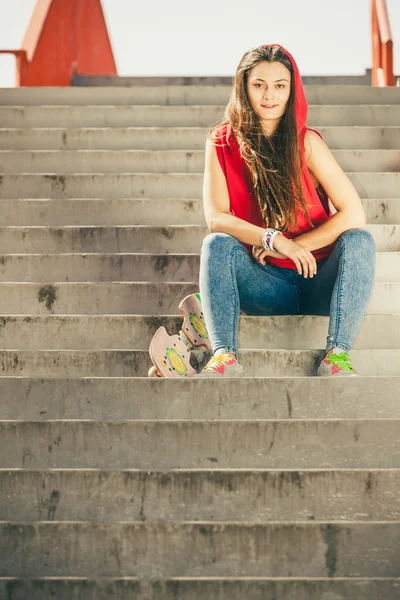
{"type": "Point", "coordinates": [194, 326]}
{"type": "Point", "coordinates": [170, 354]}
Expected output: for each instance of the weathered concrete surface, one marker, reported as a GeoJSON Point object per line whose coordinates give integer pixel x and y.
{"type": "Point", "coordinates": [211, 81]}
{"type": "Point", "coordinates": [200, 495]}
{"type": "Point", "coordinates": [219, 433]}
{"type": "Point", "coordinates": [203, 589]}
{"type": "Point", "coordinates": [136, 363]}
{"type": "Point", "coordinates": [136, 238]}
{"type": "Point", "coordinates": [185, 95]}
{"type": "Point", "coordinates": [141, 211]}
{"type": "Point", "coordinates": [162, 161]}
{"type": "Point", "coordinates": [200, 444]}
{"type": "Point", "coordinates": [153, 185]}
{"type": "Point", "coordinates": [201, 549]}
{"type": "Point", "coordinates": [125, 211]}
{"type": "Point", "coordinates": [119, 399]}
{"type": "Point", "coordinates": [176, 138]}
{"type": "Point", "coordinates": [159, 115]}
{"type": "Point", "coordinates": [132, 267]}
{"type": "Point", "coordinates": [91, 332]}
{"type": "Point", "coordinates": [77, 298]}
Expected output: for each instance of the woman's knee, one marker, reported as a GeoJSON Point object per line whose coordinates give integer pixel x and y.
{"type": "Point", "coordinates": [218, 244]}
{"type": "Point", "coordinates": [358, 239]}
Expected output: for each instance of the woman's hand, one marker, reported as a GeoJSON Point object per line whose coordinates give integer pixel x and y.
{"type": "Point", "coordinates": [259, 254]}
{"type": "Point", "coordinates": [299, 254]}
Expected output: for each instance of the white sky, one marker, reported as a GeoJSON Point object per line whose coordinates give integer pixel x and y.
{"type": "Point", "coordinates": [208, 37]}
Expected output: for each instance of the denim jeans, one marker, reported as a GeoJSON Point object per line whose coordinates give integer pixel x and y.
{"type": "Point", "coordinates": [232, 281]}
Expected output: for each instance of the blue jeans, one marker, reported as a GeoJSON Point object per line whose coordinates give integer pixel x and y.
{"type": "Point", "coordinates": [232, 281]}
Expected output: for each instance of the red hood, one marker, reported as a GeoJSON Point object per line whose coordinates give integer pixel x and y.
{"type": "Point", "coordinates": [301, 105]}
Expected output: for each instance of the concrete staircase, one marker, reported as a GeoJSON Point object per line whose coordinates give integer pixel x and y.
{"type": "Point", "coordinates": [115, 486]}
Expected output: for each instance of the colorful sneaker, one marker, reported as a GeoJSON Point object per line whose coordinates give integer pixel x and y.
{"type": "Point", "coordinates": [223, 365]}
{"type": "Point", "coordinates": [337, 364]}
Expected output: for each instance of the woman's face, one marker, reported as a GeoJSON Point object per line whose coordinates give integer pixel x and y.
{"type": "Point", "coordinates": [268, 84]}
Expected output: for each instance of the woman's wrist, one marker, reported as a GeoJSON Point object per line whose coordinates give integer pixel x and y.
{"type": "Point", "coordinates": [268, 239]}
{"type": "Point", "coordinates": [280, 242]}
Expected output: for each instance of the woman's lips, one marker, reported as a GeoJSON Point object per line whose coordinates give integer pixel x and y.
{"type": "Point", "coordinates": [269, 107]}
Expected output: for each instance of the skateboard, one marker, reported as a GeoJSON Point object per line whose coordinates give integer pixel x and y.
{"type": "Point", "coordinates": [170, 354]}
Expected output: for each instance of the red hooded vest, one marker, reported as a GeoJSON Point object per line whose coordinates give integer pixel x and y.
{"type": "Point", "coordinates": [243, 201]}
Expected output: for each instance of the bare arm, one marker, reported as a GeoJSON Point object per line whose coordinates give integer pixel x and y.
{"type": "Point", "coordinates": [217, 204]}
{"type": "Point", "coordinates": [340, 190]}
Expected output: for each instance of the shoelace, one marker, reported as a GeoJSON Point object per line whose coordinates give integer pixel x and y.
{"type": "Point", "coordinates": [218, 361]}
{"type": "Point", "coordinates": [342, 361]}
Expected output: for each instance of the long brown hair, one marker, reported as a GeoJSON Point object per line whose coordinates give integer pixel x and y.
{"type": "Point", "coordinates": [274, 162]}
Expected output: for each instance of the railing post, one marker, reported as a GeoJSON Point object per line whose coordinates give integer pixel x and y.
{"type": "Point", "coordinates": [382, 46]}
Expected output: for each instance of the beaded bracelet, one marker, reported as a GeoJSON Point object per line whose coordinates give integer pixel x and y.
{"type": "Point", "coordinates": [267, 238]}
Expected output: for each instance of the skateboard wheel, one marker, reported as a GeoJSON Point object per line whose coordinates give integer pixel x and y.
{"type": "Point", "coordinates": [153, 372]}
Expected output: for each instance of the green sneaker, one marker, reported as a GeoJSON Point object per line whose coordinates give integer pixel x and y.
{"type": "Point", "coordinates": [338, 364]}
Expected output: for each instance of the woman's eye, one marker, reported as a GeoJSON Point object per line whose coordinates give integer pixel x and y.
{"type": "Point", "coordinates": [280, 85]}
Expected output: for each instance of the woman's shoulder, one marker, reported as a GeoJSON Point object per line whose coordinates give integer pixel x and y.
{"type": "Point", "coordinates": [312, 141]}
{"type": "Point", "coordinates": [223, 134]}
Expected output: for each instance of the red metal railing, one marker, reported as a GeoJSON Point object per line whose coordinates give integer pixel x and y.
{"type": "Point", "coordinates": [382, 46]}
{"type": "Point", "coordinates": [61, 35]}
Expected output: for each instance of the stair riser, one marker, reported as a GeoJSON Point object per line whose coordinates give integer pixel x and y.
{"type": "Point", "coordinates": [132, 267]}
{"type": "Point", "coordinates": [127, 332]}
{"type": "Point", "coordinates": [366, 589]}
{"type": "Point", "coordinates": [136, 363]}
{"type": "Point", "coordinates": [288, 398]}
{"type": "Point", "coordinates": [153, 185]}
{"type": "Point", "coordinates": [189, 444]}
{"type": "Point", "coordinates": [155, 240]}
{"type": "Point", "coordinates": [185, 95]}
{"type": "Point", "coordinates": [178, 138]}
{"type": "Point", "coordinates": [201, 549]}
{"type": "Point", "coordinates": [142, 212]}
{"type": "Point", "coordinates": [132, 298]}
{"type": "Point", "coordinates": [178, 161]}
{"type": "Point", "coordinates": [181, 116]}
{"type": "Point", "coordinates": [200, 495]}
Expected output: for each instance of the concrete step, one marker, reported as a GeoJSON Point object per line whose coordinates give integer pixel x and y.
{"type": "Point", "coordinates": [213, 80]}
{"type": "Point", "coordinates": [152, 185]}
{"type": "Point", "coordinates": [128, 267]}
{"type": "Point", "coordinates": [136, 363]}
{"type": "Point", "coordinates": [200, 495]}
{"type": "Point", "coordinates": [132, 211]}
{"type": "Point", "coordinates": [176, 138]}
{"type": "Point", "coordinates": [136, 238]}
{"type": "Point", "coordinates": [133, 298]}
{"type": "Point", "coordinates": [95, 332]}
{"type": "Point", "coordinates": [199, 588]}
{"type": "Point", "coordinates": [161, 445]}
{"type": "Point", "coordinates": [184, 94]}
{"type": "Point", "coordinates": [161, 161]}
{"type": "Point", "coordinates": [193, 115]}
{"type": "Point", "coordinates": [122, 399]}
{"type": "Point", "coordinates": [191, 549]}
{"type": "Point", "coordinates": [142, 211]}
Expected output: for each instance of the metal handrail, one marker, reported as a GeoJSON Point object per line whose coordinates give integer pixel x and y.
{"type": "Point", "coordinates": [382, 46]}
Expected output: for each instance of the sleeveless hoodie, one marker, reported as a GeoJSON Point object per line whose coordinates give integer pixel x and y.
{"type": "Point", "coordinates": [243, 201]}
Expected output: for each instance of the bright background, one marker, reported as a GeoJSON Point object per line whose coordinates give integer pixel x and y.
{"type": "Point", "coordinates": [208, 37]}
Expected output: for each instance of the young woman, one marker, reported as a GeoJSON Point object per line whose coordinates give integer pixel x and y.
{"type": "Point", "coordinates": [275, 247]}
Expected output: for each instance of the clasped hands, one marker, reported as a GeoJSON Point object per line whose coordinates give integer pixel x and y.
{"type": "Point", "coordinates": [286, 248]}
